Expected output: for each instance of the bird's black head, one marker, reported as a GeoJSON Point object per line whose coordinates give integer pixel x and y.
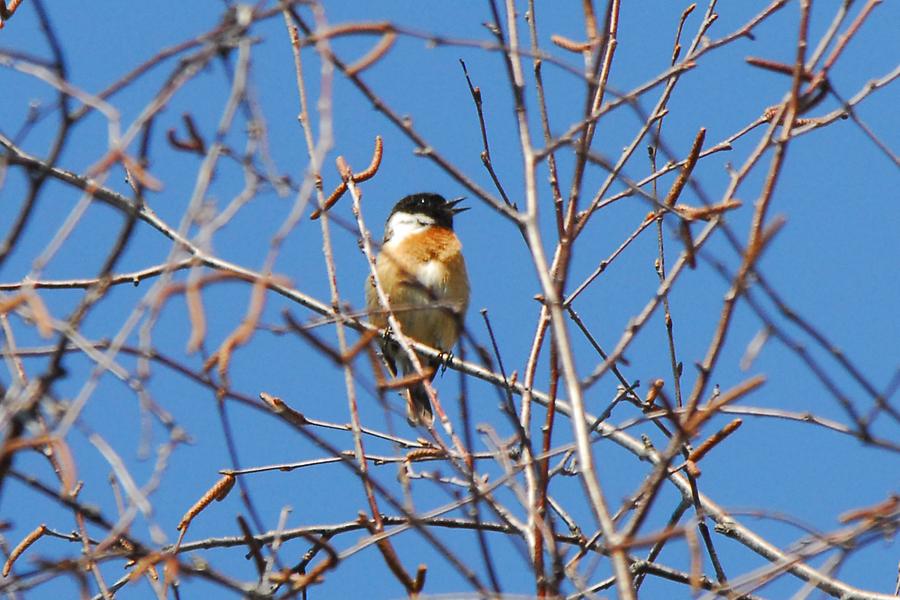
{"type": "Point", "coordinates": [431, 205]}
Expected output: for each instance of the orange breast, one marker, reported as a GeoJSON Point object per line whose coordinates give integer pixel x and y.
{"type": "Point", "coordinates": [427, 286]}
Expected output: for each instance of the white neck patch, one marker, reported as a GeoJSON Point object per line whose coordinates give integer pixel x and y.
{"type": "Point", "coordinates": [402, 225]}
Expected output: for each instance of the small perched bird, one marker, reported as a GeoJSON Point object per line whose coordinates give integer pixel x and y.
{"type": "Point", "coordinates": [423, 274]}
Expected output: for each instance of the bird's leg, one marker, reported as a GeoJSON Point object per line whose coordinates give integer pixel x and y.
{"type": "Point", "coordinates": [444, 360]}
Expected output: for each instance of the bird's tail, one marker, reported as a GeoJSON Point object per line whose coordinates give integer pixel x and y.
{"type": "Point", "coordinates": [418, 406]}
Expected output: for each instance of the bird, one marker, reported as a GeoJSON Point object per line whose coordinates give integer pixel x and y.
{"type": "Point", "coordinates": [421, 269]}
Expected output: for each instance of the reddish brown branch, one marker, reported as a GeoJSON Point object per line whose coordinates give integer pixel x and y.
{"type": "Point", "coordinates": [373, 55]}
{"type": "Point", "coordinates": [217, 492]}
{"type": "Point", "coordinates": [713, 440]}
{"type": "Point", "coordinates": [7, 11]}
{"type": "Point", "coordinates": [36, 534]}
{"type": "Point", "coordinates": [363, 175]}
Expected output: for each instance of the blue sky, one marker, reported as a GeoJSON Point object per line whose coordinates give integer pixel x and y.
{"type": "Point", "coordinates": [834, 263]}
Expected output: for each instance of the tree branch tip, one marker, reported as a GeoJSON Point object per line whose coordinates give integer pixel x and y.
{"type": "Point", "coordinates": [571, 45]}
{"type": "Point", "coordinates": [35, 534]}
{"type": "Point", "coordinates": [714, 440]}
{"type": "Point", "coordinates": [692, 468]}
{"type": "Point", "coordinates": [376, 53]}
{"type": "Point", "coordinates": [419, 581]}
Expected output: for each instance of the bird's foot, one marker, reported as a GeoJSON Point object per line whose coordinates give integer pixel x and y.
{"type": "Point", "coordinates": [445, 359]}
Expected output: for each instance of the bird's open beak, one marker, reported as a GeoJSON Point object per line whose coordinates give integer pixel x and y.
{"type": "Point", "coordinates": [452, 205]}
